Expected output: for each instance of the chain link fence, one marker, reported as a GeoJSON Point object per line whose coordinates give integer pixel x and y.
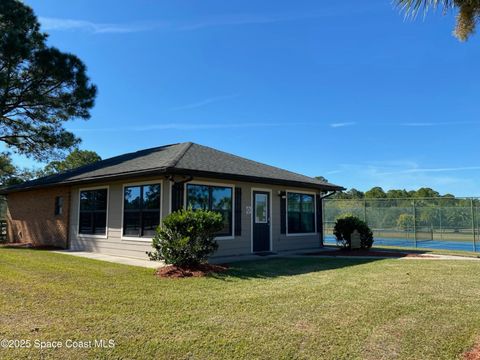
{"type": "Point", "coordinates": [437, 223]}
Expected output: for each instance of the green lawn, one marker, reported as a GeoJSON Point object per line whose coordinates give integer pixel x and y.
{"type": "Point", "coordinates": [280, 308]}
{"type": "Point", "coordinates": [428, 251]}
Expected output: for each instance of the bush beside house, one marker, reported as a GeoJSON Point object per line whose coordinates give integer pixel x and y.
{"type": "Point", "coordinates": [344, 227]}
{"type": "Point", "coordinates": [186, 238]}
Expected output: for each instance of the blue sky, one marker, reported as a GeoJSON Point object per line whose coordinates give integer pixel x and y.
{"type": "Point", "coordinates": [354, 93]}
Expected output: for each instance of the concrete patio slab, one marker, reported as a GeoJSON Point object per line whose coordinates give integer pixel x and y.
{"type": "Point", "coordinates": [113, 259]}
{"type": "Point", "coordinates": [265, 256]}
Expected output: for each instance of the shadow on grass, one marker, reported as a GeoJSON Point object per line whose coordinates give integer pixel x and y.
{"type": "Point", "coordinates": [277, 267]}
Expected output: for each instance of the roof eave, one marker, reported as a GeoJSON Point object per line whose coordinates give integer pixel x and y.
{"type": "Point", "coordinates": [255, 179]}
{"type": "Point", "coordinates": [90, 180]}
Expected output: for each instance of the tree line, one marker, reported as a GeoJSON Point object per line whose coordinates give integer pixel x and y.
{"type": "Point", "coordinates": [377, 192]}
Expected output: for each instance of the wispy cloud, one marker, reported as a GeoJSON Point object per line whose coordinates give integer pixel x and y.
{"type": "Point", "coordinates": [441, 123]}
{"type": "Point", "coordinates": [59, 24]}
{"type": "Point", "coordinates": [245, 19]}
{"type": "Point", "coordinates": [432, 170]}
{"type": "Point", "coordinates": [204, 102]}
{"type": "Point", "coordinates": [395, 167]}
{"type": "Point", "coordinates": [342, 124]}
{"type": "Point", "coordinates": [187, 126]}
{"type": "Point", "coordinates": [333, 172]}
{"type": "Point", "coordinates": [96, 28]}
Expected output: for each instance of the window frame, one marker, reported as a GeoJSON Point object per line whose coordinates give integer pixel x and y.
{"type": "Point", "coordinates": [208, 183]}
{"type": "Point", "coordinates": [94, 236]}
{"type": "Point", "coordinates": [301, 192]}
{"type": "Point", "coordinates": [142, 183]}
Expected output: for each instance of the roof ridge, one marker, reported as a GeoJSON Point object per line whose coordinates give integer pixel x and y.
{"type": "Point", "coordinates": [264, 164]}
{"type": "Point", "coordinates": [185, 147]}
{"type": "Point", "coordinates": [104, 161]}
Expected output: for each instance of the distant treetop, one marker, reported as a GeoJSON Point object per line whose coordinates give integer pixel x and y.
{"type": "Point", "coordinates": [378, 193]}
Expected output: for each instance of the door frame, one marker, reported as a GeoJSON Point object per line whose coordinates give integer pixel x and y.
{"type": "Point", "coordinates": [252, 202]}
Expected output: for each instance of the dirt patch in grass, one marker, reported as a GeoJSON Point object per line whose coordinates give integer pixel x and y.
{"type": "Point", "coordinates": [172, 271]}
{"type": "Point", "coordinates": [473, 353]}
{"type": "Point", "coordinates": [393, 254]}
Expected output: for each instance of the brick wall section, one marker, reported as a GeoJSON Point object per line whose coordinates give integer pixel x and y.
{"type": "Point", "coordinates": [31, 217]}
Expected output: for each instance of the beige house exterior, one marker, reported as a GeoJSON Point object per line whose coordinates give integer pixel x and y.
{"type": "Point", "coordinates": [258, 211]}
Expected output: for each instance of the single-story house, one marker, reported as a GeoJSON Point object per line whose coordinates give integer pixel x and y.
{"type": "Point", "coordinates": [114, 206]}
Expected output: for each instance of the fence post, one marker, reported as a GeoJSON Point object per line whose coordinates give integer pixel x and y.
{"type": "Point", "coordinates": [441, 225]}
{"type": "Point", "coordinates": [414, 223]}
{"type": "Point", "coordinates": [473, 224]}
{"type": "Point", "coordinates": [477, 227]}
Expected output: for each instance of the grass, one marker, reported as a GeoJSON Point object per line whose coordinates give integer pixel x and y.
{"type": "Point", "coordinates": [429, 251]}
{"type": "Point", "coordinates": [403, 249]}
{"type": "Point", "coordinates": [279, 308]}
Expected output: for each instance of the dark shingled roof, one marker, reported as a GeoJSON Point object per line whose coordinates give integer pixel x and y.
{"type": "Point", "coordinates": [183, 159]}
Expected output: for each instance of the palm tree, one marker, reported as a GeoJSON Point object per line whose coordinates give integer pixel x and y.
{"type": "Point", "coordinates": [468, 12]}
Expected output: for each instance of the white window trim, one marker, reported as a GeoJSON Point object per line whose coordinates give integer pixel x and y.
{"type": "Point", "coordinates": [208, 183]}
{"type": "Point", "coordinates": [93, 236]}
{"type": "Point", "coordinates": [314, 208]}
{"type": "Point", "coordinates": [149, 182]}
{"type": "Point", "coordinates": [252, 204]}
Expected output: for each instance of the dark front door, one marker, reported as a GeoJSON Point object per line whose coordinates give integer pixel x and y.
{"type": "Point", "coordinates": [261, 221]}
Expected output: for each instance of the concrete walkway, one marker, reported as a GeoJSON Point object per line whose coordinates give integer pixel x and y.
{"type": "Point", "coordinates": [266, 256]}
{"type": "Point", "coordinates": [442, 257]}
{"type": "Point", "coordinates": [113, 259]}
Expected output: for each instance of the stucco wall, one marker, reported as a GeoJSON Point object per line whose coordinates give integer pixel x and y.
{"type": "Point", "coordinates": [31, 217]}
{"type": "Point", "coordinates": [114, 244]}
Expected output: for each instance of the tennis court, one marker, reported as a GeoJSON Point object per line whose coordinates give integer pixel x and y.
{"type": "Point", "coordinates": [422, 244]}
{"type": "Point", "coordinates": [430, 223]}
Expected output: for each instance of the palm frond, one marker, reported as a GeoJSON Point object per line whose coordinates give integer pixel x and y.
{"type": "Point", "coordinates": [412, 7]}
{"type": "Point", "coordinates": [467, 18]}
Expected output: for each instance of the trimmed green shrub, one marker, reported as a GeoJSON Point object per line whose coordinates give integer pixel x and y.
{"type": "Point", "coordinates": [186, 238]}
{"type": "Point", "coordinates": [344, 227]}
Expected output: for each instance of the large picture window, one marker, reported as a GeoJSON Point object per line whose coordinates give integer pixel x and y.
{"type": "Point", "coordinates": [213, 198]}
{"type": "Point", "coordinates": [141, 210]}
{"type": "Point", "coordinates": [301, 213]}
{"type": "Point", "coordinates": [93, 212]}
